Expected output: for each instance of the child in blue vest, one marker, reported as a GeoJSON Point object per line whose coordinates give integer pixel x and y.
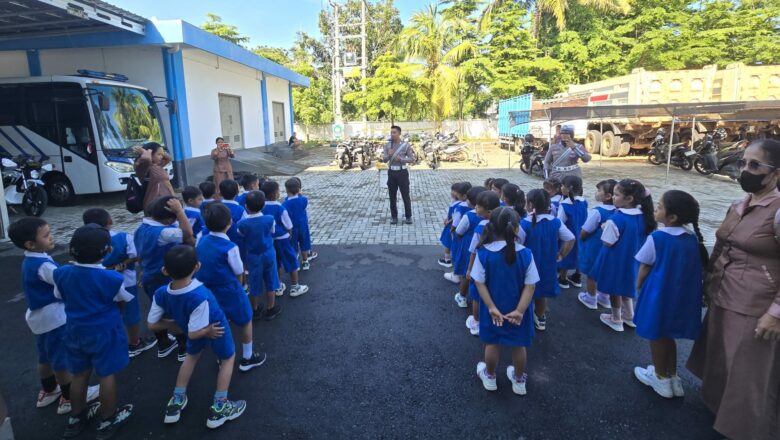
{"type": "Point", "coordinates": [505, 274]}
{"type": "Point", "coordinates": [249, 182]}
{"type": "Point", "coordinates": [553, 188]}
{"type": "Point", "coordinates": [260, 256]}
{"type": "Point", "coordinates": [487, 201]}
{"type": "Point", "coordinates": [122, 259]}
{"type": "Point", "coordinates": [590, 241]}
{"type": "Point", "coordinates": [45, 313]}
{"type": "Point", "coordinates": [221, 270]}
{"type": "Point", "coordinates": [572, 211]}
{"type": "Point", "coordinates": [457, 243]}
{"type": "Point", "coordinates": [497, 186]}
{"type": "Point", "coordinates": [285, 252]}
{"type": "Point", "coordinates": [445, 238]}
{"type": "Point", "coordinates": [464, 232]}
{"type": "Point", "coordinates": [208, 190]}
{"type": "Point", "coordinates": [194, 310]}
{"type": "Point", "coordinates": [550, 241]}
{"type": "Point", "coordinates": [514, 197]}
{"type": "Point", "coordinates": [228, 189]}
{"type": "Point", "coordinates": [152, 239]}
{"type": "Point", "coordinates": [95, 338]}
{"type": "Point", "coordinates": [615, 269]}
{"type": "Point", "coordinates": [296, 205]}
{"type": "Point", "coordinates": [670, 284]}
{"type": "Point", "coordinates": [193, 198]}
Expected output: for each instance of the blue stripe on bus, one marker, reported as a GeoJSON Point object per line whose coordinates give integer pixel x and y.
{"type": "Point", "coordinates": [44, 157]}
{"type": "Point", "coordinates": [14, 143]}
{"type": "Point", "coordinates": [4, 152]}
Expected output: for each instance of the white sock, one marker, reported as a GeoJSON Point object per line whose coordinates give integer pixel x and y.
{"type": "Point", "coordinates": [247, 348]}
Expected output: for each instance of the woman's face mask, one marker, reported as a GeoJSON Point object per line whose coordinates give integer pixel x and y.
{"type": "Point", "coordinates": [752, 183]}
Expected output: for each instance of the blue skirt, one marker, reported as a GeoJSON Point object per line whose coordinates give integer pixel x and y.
{"type": "Point", "coordinates": [589, 250]}
{"type": "Point", "coordinates": [446, 237]}
{"type": "Point", "coordinates": [473, 292]}
{"type": "Point", "coordinates": [570, 262]}
{"type": "Point", "coordinates": [513, 335]}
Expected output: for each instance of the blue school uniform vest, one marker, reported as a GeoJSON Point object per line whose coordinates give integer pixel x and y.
{"type": "Point", "coordinates": [457, 241]}
{"type": "Point", "coordinates": [149, 250]}
{"type": "Point", "coordinates": [88, 294]}
{"type": "Point", "coordinates": [236, 213]}
{"type": "Point", "coordinates": [180, 307]}
{"type": "Point", "coordinates": [118, 251]}
{"type": "Point", "coordinates": [276, 211]}
{"type": "Point", "coordinates": [462, 262]}
{"type": "Point", "coordinates": [195, 218]}
{"type": "Point", "coordinates": [589, 249]}
{"type": "Point", "coordinates": [615, 269]}
{"type": "Point", "coordinates": [542, 240]}
{"type": "Point", "coordinates": [215, 270]}
{"type": "Point", "coordinates": [576, 213]}
{"type": "Point", "coordinates": [296, 209]}
{"type": "Point", "coordinates": [505, 282]}
{"type": "Point", "coordinates": [446, 233]}
{"type": "Point", "coordinates": [241, 199]}
{"type": "Point", "coordinates": [669, 304]}
{"type": "Point", "coordinates": [37, 292]}
{"type": "Point", "coordinates": [555, 203]}
{"type": "Point", "coordinates": [257, 234]}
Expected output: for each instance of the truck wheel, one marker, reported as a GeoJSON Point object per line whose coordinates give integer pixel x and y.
{"type": "Point", "coordinates": [610, 144]}
{"type": "Point", "coordinates": [593, 141]}
{"type": "Point", "coordinates": [625, 148]}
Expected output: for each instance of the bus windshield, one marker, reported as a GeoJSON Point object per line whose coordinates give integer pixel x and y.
{"type": "Point", "coordinates": [132, 118]}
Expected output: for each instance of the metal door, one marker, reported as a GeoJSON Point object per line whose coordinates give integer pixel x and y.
{"type": "Point", "coordinates": [230, 119]}
{"type": "Point", "coordinates": [279, 134]}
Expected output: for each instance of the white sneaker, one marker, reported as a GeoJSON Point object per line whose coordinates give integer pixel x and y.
{"type": "Point", "coordinates": [540, 324]}
{"type": "Point", "coordinates": [281, 289]}
{"type": "Point", "coordinates": [64, 406]}
{"type": "Point", "coordinates": [450, 276]}
{"type": "Point", "coordinates": [603, 300]}
{"type": "Point", "coordinates": [648, 377]}
{"type": "Point", "coordinates": [93, 393]}
{"type": "Point", "coordinates": [677, 387]}
{"type": "Point", "coordinates": [518, 386]}
{"type": "Point", "coordinates": [461, 300]}
{"type": "Point", "coordinates": [470, 322]}
{"type": "Point", "coordinates": [588, 300]}
{"type": "Point", "coordinates": [627, 321]}
{"type": "Point", "coordinates": [46, 399]}
{"type": "Point", "coordinates": [488, 382]}
{"type": "Point", "coordinates": [298, 290]}
{"type": "Point", "coordinates": [606, 318]}
{"type": "Point", "coordinates": [474, 330]}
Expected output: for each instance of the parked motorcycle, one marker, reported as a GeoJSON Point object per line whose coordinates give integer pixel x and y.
{"type": "Point", "coordinates": [526, 152]}
{"type": "Point", "coordinates": [344, 156]}
{"type": "Point", "coordinates": [711, 159]}
{"type": "Point", "coordinates": [681, 156]}
{"type": "Point", "coordinates": [24, 186]}
{"type": "Point", "coordinates": [361, 152]}
{"type": "Point", "coordinates": [536, 161]}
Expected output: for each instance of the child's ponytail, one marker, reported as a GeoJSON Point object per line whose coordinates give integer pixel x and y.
{"type": "Point", "coordinates": [515, 197]}
{"type": "Point", "coordinates": [502, 226]}
{"type": "Point", "coordinates": [574, 185]}
{"type": "Point", "coordinates": [705, 256]}
{"type": "Point", "coordinates": [686, 208]}
{"type": "Point", "coordinates": [539, 201]}
{"type": "Point", "coordinates": [643, 199]}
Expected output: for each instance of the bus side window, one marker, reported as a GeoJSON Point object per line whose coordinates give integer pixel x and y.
{"type": "Point", "coordinates": [74, 128]}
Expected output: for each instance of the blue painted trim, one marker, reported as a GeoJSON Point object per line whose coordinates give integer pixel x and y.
{"type": "Point", "coordinates": [34, 62]}
{"type": "Point", "coordinates": [24, 153]}
{"type": "Point", "coordinates": [173, 66]}
{"type": "Point", "coordinates": [292, 113]}
{"type": "Point", "coordinates": [264, 101]}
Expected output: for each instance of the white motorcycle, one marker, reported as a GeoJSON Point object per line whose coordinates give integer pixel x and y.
{"type": "Point", "coordinates": [23, 184]}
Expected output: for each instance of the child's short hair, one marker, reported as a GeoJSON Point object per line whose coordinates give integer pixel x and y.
{"type": "Point", "coordinates": [473, 193]}
{"type": "Point", "coordinates": [498, 183]}
{"type": "Point", "coordinates": [270, 188]}
{"type": "Point", "coordinates": [463, 188]}
{"type": "Point", "coordinates": [159, 209]}
{"type": "Point", "coordinates": [180, 261]}
{"type": "Point", "coordinates": [217, 217]}
{"type": "Point", "coordinates": [489, 182]}
{"type": "Point", "coordinates": [90, 243]}
{"type": "Point", "coordinates": [574, 184]}
{"type": "Point", "coordinates": [190, 193]}
{"type": "Point", "coordinates": [24, 230]}
{"type": "Point", "coordinates": [540, 201]}
{"type": "Point", "coordinates": [98, 216]}
{"type": "Point", "coordinates": [248, 179]}
{"type": "Point", "coordinates": [607, 186]}
{"type": "Point", "coordinates": [208, 189]}
{"type": "Point", "coordinates": [255, 201]}
{"type": "Point", "coordinates": [552, 184]}
{"type": "Point", "coordinates": [488, 200]}
{"type": "Point", "coordinates": [228, 188]}
{"type": "Point", "coordinates": [293, 185]}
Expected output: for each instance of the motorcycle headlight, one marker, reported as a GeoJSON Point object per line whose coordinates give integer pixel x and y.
{"type": "Point", "coordinates": [35, 174]}
{"type": "Point", "coordinates": [120, 167]}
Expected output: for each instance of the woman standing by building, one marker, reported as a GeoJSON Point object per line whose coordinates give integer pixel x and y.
{"type": "Point", "coordinates": [221, 155]}
{"type": "Point", "coordinates": [150, 168]}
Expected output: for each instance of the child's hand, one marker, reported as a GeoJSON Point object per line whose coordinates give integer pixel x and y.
{"type": "Point", "coordinates": [497, 317]}
{"type": "Point", "coordinates": [514, 317]}
{"type": "Point", "coordinates": [120, 267]}
{"type": "Point", "coordinates": [447, 221]}
{"type": "Point", "coordinates": [174, 205]}
{"type": "Point", "coordinates": [558, 258]}
{"type": "Point", "coordinates": [468, 276]}
{"type": "Point", "coordinates": [215, 331]}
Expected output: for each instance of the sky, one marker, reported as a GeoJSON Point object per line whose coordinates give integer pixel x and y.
{"type": "Point", "coordinates": [266, 22]}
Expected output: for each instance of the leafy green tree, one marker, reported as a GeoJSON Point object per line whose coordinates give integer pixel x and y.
{"type": "Point", "coordinates": [228, 32]}
{"type": "Point", "coordinates": [275, 54]}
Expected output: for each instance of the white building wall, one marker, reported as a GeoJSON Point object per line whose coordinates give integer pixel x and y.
{"type": "Point", "coordinates": [278, 91]}
{"type": "Point", "coordinates": [13, 64]}
{"type": "Point", "coordinates": [206, 76]}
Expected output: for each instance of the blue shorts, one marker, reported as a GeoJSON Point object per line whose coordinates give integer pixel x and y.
{"type": "Point", "coordinates": [223, 347]}
{"type": "Point", "coordinates": [104, 349]}
{"type": "Point", "coordinates": [286, 256]}
{"type": "Point", "coordinates": [263, 274]}
{"type": "Point", "coordinates": [234, 302]}
{"type": "Point", "coordinates": [51, 349]}
{"type": "Point", "coordinates": [131, 315]}
{"type": "Point", "coordinates": [301, 238]}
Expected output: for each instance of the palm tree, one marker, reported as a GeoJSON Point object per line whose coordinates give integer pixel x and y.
{"type": "Point", "coordinates": [431, 41]}
{"type": "Point", "coordinates": [557, 8]}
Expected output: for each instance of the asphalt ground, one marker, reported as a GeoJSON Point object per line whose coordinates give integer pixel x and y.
{"type": "Point", "coordinates": [378, 349]}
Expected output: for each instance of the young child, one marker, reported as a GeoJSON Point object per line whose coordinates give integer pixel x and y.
{"type": "Point", "coordinates": [497, 186]}
{"type": "Point", "coordinates": [220, 271]}
{"type": "Point", "coordinates": [249, 182]}
{"type": "Point", "coordinates": [590, 239]}
{"type": "Point", "coordinates": [122, 258]}
{"type": "Point", "coordinates": [505, 274]}
{"type": "Point", "coordinates": [446, 233]}
{"type": "Point", "coordinates": [260, 256]}
{"type": "Point", "coordinates": [549, 241]}
{"type": "Point", "coordinates": [553, 188]}
{"type": "Point", "coordinates": [572, 211]}
{"type": "Point", "coordinates": [285, 253]}
{"type": "Point", "coordinates": [193, 199]}
{"type": "Point", "coordinates": [457, 214]}
{"type": "Point", "coordinates": [45, 313]}
{"type": "Point", "coordinates": [96, 338]}
{"type": "Point", "coordinates": [464, 232]}
{"type": "Point", "coordinates": [194, 310]}
{"type": "Point", "coordinates": [208, 190]}
{"type": "Point", "coordinates": [228, 189]}
{"type": "Point", "coordinates": [296, 204]}
{"type": "Point", "coordinates": [152, 240]}
{"type": "Point", "coordinates": [615, 270]}
{"type": "Point", "coordinates": [487, 201]}
{"type": "Point", "coordinates": [670, 284]}
{"type": "Point", "coordinates": [488, 182]}
{"type": "Point", "coordinates": [514, 197]}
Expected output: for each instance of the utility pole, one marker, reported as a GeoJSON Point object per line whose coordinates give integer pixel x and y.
{"type": "Point", "coordinates": [336, 65]}
{"type": "Point", "coordinates": [363, 60]}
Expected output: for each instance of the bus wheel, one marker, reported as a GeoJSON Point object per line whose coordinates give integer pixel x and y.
{"type": "Point", "coordinates": [60, 191]}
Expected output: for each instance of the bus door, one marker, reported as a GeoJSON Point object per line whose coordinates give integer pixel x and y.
{"type": "Point", "coordinates": [74, 130]}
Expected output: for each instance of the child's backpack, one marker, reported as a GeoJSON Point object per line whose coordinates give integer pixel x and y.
{"type": "Point", "coordinates": [134, 194]}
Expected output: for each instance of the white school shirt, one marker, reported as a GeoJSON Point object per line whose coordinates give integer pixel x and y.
{"type": "Point", "coordinates": [611, 234]}
{"type": "Point", "coordinates": [564, 234]}
{"type": "Point", "coordinates": [233, 255]}
{"type": "Point", "coordinates": [478, 236]}
{"type": "Point", "coordinates": [199, 318]}
{"type": "Point", "coordinates": [286, 221]}
{"type": "Point", "coordinates": [456, 215]}
{"type": "Point", "coordinates": [122, 295]}
{"type": "Point", "coordinates": [478, 271]}
{"type": "Point", "coordinates": [562, 212]}
{"type": "Point", "coordinates": [646, 254]}
{"type": "Point", "coordinates": [594, 218]}
{"type": "Point", "coordinates": [50, 316]}
{"type": "Point", "coordinates": [463, 225]}
{"type": "Point", "coordinates": [167, 235]}
{"type": "Point", "coordinates": [553, 208]}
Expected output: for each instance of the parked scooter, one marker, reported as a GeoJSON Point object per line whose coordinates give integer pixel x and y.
{"type": "Point", "coordinates": [23, 184]}
{"type": "Point", "coordinates": [526, 152]}
{"type": "Point", "coordinates": [362, 154]}
{"type": "Point", "coordinates": [344, 156]}
{"type": "Point", "coordinates": [536, 161]}
{"type": "Point", "coordinates": [713, 160]}
{"type": "Point", "coordinates": [681, 156]}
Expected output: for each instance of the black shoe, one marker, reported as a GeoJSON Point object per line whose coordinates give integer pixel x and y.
{"type": "Point", "coordinates": [182, 353]}
{"type": "Point", "coordinates": [408, 221]}
{"type": "Point", "coordinates": [164, 349]}
{"type": "Point", "coordinates": [258, 314]}
{"type": "Point", "coordinates": [143, 344]}
{"type": "Point", "coordinates": [230, 410]}
{"type": "Point", "coordinates": [174, 409]}
{"type": "Point", "coordinates": [272, 313]}
{"type": "Point", "coordinates": [393, 221]}
{"type": "Point", "coordinates": [563, 282]}
{"type": "Point", "coordinates": [108, 428]}
{"type": "Point", "coordinates": [576, 279]}
{"type": "Point", "coordinates": [77, 424]}
{"type": "Point", "coordinates": [445, 262]}
{"type": "Point", "coordinates": [256, 360]}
